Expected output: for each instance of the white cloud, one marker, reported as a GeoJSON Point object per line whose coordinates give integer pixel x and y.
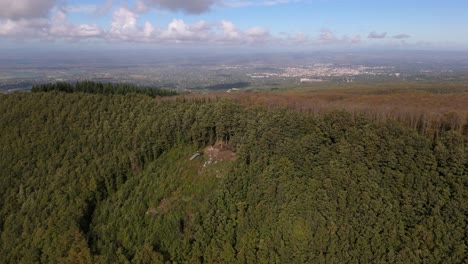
{"type": "Point", "coordinates": [327, 36]}
{"type": "Point", "coordinates": [148, 30]}
{"type": "Point", "coordinates": [33, 19]}
{"type": "Point", "coordinates": [124, 25]}
{"type": "Point", "coordinates": [256, 35]}
{"type": "Point", "coordinates": [60, 27]}
{"type": "Point", "coordinates": [24, 28]}
{"type": "Point", "coordinates": [230, 31]}
{"type": "Point", "coordinates": [57, 27]}
{"type": "Point", "coordinates": [232, 35]}
{"type": "Point", "coordinates": [178, 31]}
{"type": "Point", "coordinates": [257, 32]}
{"type": "Point", "coordinates": [201, 25]}
{"type": "Point", "coordinates": [202, 30]}
{"type": "Point", "coordinates": [25, 9]}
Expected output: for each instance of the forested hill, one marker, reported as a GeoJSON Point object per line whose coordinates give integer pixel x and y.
{"type": "Point", "coordinates": [92, 178]}
{"type": "Point", "coordinates": [101, 88]}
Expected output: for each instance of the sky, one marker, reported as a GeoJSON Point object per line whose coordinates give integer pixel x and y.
{"type": "Point", "coordinates": [248, 24]}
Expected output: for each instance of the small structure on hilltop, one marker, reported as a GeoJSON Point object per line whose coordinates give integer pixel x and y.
{"type": "Point", "coordinates": [198, 153]}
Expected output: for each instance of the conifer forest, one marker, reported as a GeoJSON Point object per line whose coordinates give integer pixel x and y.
{"type": "Point", "coordinates": [100, 173]}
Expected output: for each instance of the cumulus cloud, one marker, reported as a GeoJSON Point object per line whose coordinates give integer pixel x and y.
{"type": "Point", "coordinates": [376, 35]}
{"type": "Point", "coordinates": [258, 33]}
{"type": "Point", "coordinates": [401, 36]}
{"type": "Point", "coordinates": [185, 6]}
{"type": "Point", "coordinates": [178, 31]}
{"type": "Point", "coordinates": [125, 25]}
{"type": "Point", "coordinates": [24, 28]}
{"type": "Point", "coordinates": [25, 9]}
{"type": "Point", "coordinates": [231, 33]}
{"type": "Point", "coordinates": [61, 28]}
{"type": "Point", "coordinates": [44, 20]}
{"type": "Point", "coordinates": [327, 36]}
{"type": "Point", "coordinates": [57, 27]}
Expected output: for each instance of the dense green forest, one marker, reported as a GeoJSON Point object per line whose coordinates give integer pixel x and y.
{"type": "Point", "coordinates": [101, 88]}
{"type": "Point", "coordinates": [93, 178]}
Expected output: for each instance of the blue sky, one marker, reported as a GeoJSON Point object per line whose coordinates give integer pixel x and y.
{"type": "Point", "coordinates": [284, 24]}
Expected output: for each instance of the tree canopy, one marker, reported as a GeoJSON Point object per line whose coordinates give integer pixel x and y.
{"type": "Point", "coordinates": [101, 88]}
{"type": "Point", "coordinates": [107, 178]}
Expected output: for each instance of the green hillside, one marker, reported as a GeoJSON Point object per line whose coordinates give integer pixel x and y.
{"type": "Point", "coordinates": [102, 178]}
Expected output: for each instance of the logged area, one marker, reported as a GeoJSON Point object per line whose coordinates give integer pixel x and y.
{"type": "Point", "coordinates": [102, 178]}
{"type": "Point", "coordinates": [429, 108]}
